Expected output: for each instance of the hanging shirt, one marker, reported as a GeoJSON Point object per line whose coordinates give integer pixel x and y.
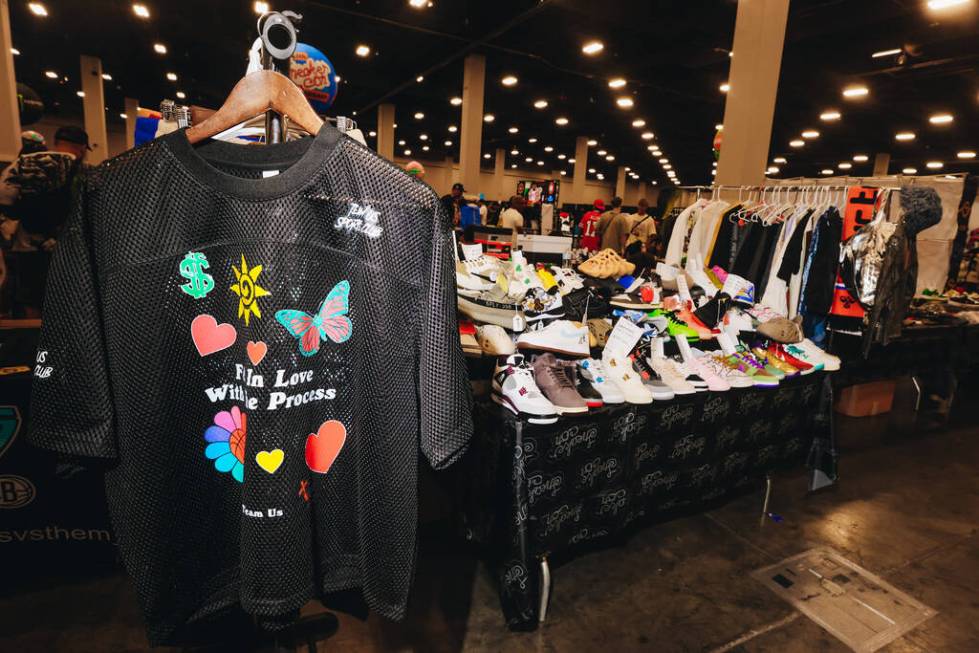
{"type": "Point", "coordinates": [589, 230]}
{"type": "Point", "coordinates": [261, 358]}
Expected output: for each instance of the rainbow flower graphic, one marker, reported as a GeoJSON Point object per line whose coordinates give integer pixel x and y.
{"type": "Point", "coordinates": [226, 440]}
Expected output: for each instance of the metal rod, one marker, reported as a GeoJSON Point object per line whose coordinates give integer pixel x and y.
{"type": "Point", "coordinates": [768, 496]}
{"type": "Point", "coordinates": [545, 593]}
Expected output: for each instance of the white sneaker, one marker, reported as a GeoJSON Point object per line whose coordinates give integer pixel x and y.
{"type": "Point", "coordinates": [514, 389]}
{"type": "Point", "coordinates": [701, 279]}
{"type": "Point", "coordinates": [671, 375]}
{"type": "Point", "coordinates": [719, 367]}
{"type": "Point", "coordinates": [491, 307]}
{"type": "Point", "coordinates": [567, 280]}
{"type": "Point", "coordinates": [692, 376]}
{"type": "Point", "coordinates": [737, 321]}
{"type": "Point", "coordinates": [830, 362]}
{"type": "Point", "coordinates": [593, 371]}
{"type": "Point", "coordinates": [559, 337]}
{"type": "Point", "coordinates": [478, 274]}
{"type": "Point", "coordinates": [522, 275]}
{"type": "Point", "coordinates": [494, 341]}
{"type": "Point", "coordinates": [628, 381]}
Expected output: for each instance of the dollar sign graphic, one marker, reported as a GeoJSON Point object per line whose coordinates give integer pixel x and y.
{"type": "Point", "coordinates": [192, 268]}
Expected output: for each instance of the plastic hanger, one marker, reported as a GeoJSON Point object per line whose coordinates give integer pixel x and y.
{"type": "Point", "coordinates": [256, 93]}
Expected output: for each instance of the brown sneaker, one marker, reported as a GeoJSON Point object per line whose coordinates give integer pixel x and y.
{"type": "Point", "coordinates": [556, 384]}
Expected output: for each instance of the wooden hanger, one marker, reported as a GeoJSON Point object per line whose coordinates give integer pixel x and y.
{"type": "Point", "coordinates": [256, 93]}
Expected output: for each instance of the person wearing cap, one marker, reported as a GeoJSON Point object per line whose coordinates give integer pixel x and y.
{"type": "Point", "coordinates": [41, 185]}
{"type": "Point", "coordinates": [588, 227]}
{"type": "Point", "coordinates": [453, 201]}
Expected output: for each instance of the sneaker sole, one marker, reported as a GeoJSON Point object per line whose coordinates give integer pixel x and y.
{"type": "Point", "coordinates": [564, 352]}
{"type": "Point", "coordinates": [576, 410]}
{"type": "Point", "coordinates": [529, 417]}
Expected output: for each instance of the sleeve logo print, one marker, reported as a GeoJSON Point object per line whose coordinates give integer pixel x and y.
{"type": "Point", "coordinates": [330, 321]}
{"type": "Point", "coordinates": [362, 219]}
{"type": "Point", "coordinates": [248, 290]}
{"type": "Point", "coordinates": [199, 283]}
{"type": "Point", "coordinates": [226, 440]}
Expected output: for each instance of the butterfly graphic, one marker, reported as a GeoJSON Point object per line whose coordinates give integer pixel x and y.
{"type": "Point", "coordinates": [330, 321]}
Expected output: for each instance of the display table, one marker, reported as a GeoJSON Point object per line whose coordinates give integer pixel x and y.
{"type": "Point", "coordinates": [531, 491]}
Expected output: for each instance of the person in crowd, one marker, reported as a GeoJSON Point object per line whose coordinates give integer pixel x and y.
{"type": "Point", "coordinates": [614, 226]}
{"type": "Point", "coordinates": [588, 227]}
{"type": "Point", "coordinates": [483, 211]}
{"type": "Point", "coordinates": [512, 217]}
{"type": "Point", "coordinates": [37, 197]}
{"type": "Point", "coordinates": [640, 246]}
{"type": "Point", "coordinates": [453, 201]}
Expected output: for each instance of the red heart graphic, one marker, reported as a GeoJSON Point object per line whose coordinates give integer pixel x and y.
{"type": "Point", "coordinates": [323, 447]}
{"type": "Point", "coordinates": [256, 351]}
{"type": "Point", "coordinates": [209, 336]}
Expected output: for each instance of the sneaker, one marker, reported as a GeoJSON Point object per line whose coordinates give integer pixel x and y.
{"type": "Point", "coordinates": [539, 304]}
{"type": "Point", "coordinates": [777, 351]}
{"type": "Point", "coordinates": [674, 327]}
{"type": "Point", "coordinates": [755, 369]}
{"type": "Point", "coordinates": [514, 388]}
{"type": "Point", "coordinates": [753, 359]}
{"type": "Point", "coordinates": [600, 328]}
{"type": "Point", "coordinates": [737, 321]}
{"type": "Point", "coordinates": [762, 354]}
{"type": "Point", "coordinates": [714, 382]}
{"type": "Point", "coordinates": [781, 329]}
{"type": "Point", "coordinates": [559, 337]}
{"type": "Point", "coordinates": [491, 307]}
{"type": "Point", "coordinates": [660, 390]}
{"type": "Point", "coordinates": [712, 312]}
{"type": "Point", "coordinates": [692, 376]}
{"type": "Point", "coordinates": [593, 371]}
{"type": "Point", "coordinates": [567, 280]}
{"type": "Point", "coordinates": [627, 380]}
{"type": "Point", "coordinates": [814, 352]}
{"type": "Point", "coordinates": [494, 341]}
{"type": "Point", "coordinates": [671, 375]}
{"type": "Point", "coordinates": [763, 313]}
{"type": "Point", "coordinates": [469, 344]}
{"type": "Point", "coordinates": [703, 331]}
{"type": "Point", "coordinates": [546, 278]}
{"type": "Point", "coordinates": [720, 366]}
{"type": "Point", "coordinates": [522, 275]}
{"type": "Point", "coordinates": [801, 354]}
{"type": "Point", "coordinates": [557, 385]}
{"type": "Point", "coordinates": [478, 274]}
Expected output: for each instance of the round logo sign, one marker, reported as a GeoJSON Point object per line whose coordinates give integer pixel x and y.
{"type": "Point", "coordinates": [15, 491]}
{"type": "Point", "coordinates": [315, 75]}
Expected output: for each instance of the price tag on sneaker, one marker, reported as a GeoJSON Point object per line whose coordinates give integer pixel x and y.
{"type": "Point", "coordinates": [519, 323]}
{"type": "Point", "coordinates": [733, 284]}
{"type": "Point", "coordinates": [659, 351]}
{"type": "Point", "coordinates": [683, 289]}
{"type": "Point", "coordinates": [666, 272]}
{"type": "Point", "coordinates": [471, 252]}
{"type": "Point", "coordinates": [685, 352]}
{"type": "Point", "coordinates": [623, 338]}
{"type": "Point", "coordinates": [726, 343]}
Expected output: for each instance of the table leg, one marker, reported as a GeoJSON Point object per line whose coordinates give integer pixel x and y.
{"type": "Point", "coordinates": [768, 496]}
{"type": "Point", "coordinates": [917, 389]}
{"type": "Point", "coordinates": [545, 590]}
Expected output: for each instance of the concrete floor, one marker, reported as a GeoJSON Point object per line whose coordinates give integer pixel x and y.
{"type": "Point", "coordinates": [907, 509]}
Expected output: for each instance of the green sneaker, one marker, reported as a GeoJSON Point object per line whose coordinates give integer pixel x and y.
{"type": "Point", "coordinates": [743, 351]}
{"type": "Point", "coordinates": [755, 370]}
{"type": "Point", "coordinates": [674, 326]}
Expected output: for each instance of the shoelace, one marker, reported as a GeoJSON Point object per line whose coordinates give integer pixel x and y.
{"type": "Point", "coordinates": [560, 378]}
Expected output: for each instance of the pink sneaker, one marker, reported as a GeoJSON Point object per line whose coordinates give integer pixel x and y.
{"type": "Point", "coordinates": [714, 382]}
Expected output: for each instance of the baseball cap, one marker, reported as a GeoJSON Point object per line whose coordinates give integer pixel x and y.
{"type": "Point", "coordinates": [459, 187]}
{"type": "Point", "coordinates": [600, 205]}
{"type": "Point", "coordinates": [72, 134]}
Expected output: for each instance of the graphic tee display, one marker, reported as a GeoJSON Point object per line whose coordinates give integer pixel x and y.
{"type": "Point", "coordinates": [261, 340]}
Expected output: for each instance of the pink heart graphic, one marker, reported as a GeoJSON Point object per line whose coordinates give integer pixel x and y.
{"type": "Point", "coordinates": [323, 447]}
{"type": "Point", "coordinates": [209, 336]}
{"type": "Point", "coordinates": [256, 351]}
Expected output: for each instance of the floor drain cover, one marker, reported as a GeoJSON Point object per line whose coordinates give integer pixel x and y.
{"type": "Point", "coordinates": [857, 607]}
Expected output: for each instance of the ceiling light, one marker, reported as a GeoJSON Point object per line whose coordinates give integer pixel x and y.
{"type": "Point", "coordinates": [772, 170]}
{"type": "Point", "coordinates": [938, 5]}
{"type": "Point", "coordinates": [50, 74]}
{"type": "Point", "coordinates": [600, 177]}
{"type": "Point", "coordinates": [654, 182]}
{"type": "Point", "coordinates": [951, 177]}
{"type": "Point", "coordinates": [540, 104]}
{"type": "Point", "coordinates": [628, 169]}
{"type": "Point", "coordinates": [591, 171]}
{"type": "Point", "coordinates": [719, 127]}
{"type": "Point", "coordinates": [141, 10]}
{"type": "Point", "coordinates": [456, 101]}
{"type": "Point", "coordinates": [810, 133]}
{"type": "Point", "coordinates": [407, 152]}
{"type": "Point", "coordinates": [172, 77]}
{"type": "Point", "coordinates": [372, 133]}
{"type": "Point", "coordinates": [910, 171]}
{"type": "Point", "coordinates": [107, 77]}
{"type": "Point", "coordinates": [861, 158]}
{"type": "Point", "coordinates": [966, 154]}
{"type": "Point", "coordinates": [725, 87]}
{"type": "Point", "coordinates": [159, 48]}
{"type": "Point", "coordinates": [419, 115]}
{"type": "Point", "coordinates": [846, 165]}
{"type": "Point", "coordinates": [487, 156]}
{"type": "Point", "coordinates": [829, 116]}
{"type": "Point", "coordinates": [453, 129]}
{"type": "Point", "coordinates": [14, 51]}
{"type": "Point", "coordinates": [904, 136]}
{"type": "Point", "coordinates": [796, 143]}
{"type": "Point", "coordinates": [549, 149]}
{"type": "Point", "coordinates": [602, 152]}
{"type": "Point", "coordinates": [340, 79]}
{"type": "Point", "coordinates": [261, 7]}
{"type": "Point", "coordinates": [402, 143]}
{"type": "Point", "coordinates": [513, 165]}
{"type": "Point", "coordinates": [664, 160]}
{"type": "Point", "coordinates": [529, 159]}
{"type": "Point", "coordinates": [571, 161]}
{"type": "Point", "coordinates": [362, 50]}
{"type": "Point", "coordinates": [886, 53]}
{"type": "Point", "coordinates": [124, 116]}
{"type": "Point", "coordinates": [653, 149]}
{"type": "Point", "coordinates": [617, 82]}
{"type": "Point", "coordinates": [423, 137]}
{"type": "Point", "coordinates": [509, 80]}
{"type": "Point", "coordinates": [419, 4]}
{"type": "Point", "coordinates": [425, 148]}
{"type": "Point", "coordinates": [513, 130]}
{"type": "Point", "coordinates": [420, 79]}
{"type": "Point", "coordinates": [941, 119]}
{"type": "Point", "coordinates": [826, 171]}
{"type": "Point", "coordinates": [855, 91]}
{"type": "Point", "coordinates": [648, 136]}
{"type": "Point", "coordinates": [713, 173]}
{"type": "Point", "coordinates": [592, 142]}
{"type": "Point", "coordinates": [37, 9]}
{"type": "Point", "coordinates": [532, 139]}
{"type": "Point", "coordinates": [540, 163]}
{"type": "Point", "coordinates": [561, 122]}
{"type": "Point", "coordinates": [935, 165]}
{"type": "Point", "coordinates": [713, 164]}
{"type": "Point", "coordinates": [564, 173]}
{"type": "Point", "coordinates": [624, 102]}
{"type": "Point", "coordinates": [514, 152]}
{"type": "Point", "coordinates": [639, 122]}
{"type": "Point", "coordinates": [778, 159]}
{"type": "Point", "coordinates": [562, 157]}
{"type": "Point", "coordinates": [610, 157]}
{"type": "Point", "coordinates": [181, 95]}
{"type": "Point", "coordinates": [593, 47]}
{"type": "Point", "coordinates": [667, 166]}
{"type": "Point", "coordinates": [80, 93]}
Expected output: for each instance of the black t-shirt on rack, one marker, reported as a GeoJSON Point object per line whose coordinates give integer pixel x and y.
{"type": "Point", "coordinates": [261, 339]}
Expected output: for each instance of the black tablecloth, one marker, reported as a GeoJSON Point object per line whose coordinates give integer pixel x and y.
{"type": "Point", "coordinates": [531, 490]}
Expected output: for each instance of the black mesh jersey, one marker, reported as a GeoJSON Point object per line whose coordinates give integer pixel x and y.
{"type": "Point", "coordinates": [262, 339]}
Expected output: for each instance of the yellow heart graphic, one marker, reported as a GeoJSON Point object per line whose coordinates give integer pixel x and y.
{"type": "Point", "coordinates": [270, 461]}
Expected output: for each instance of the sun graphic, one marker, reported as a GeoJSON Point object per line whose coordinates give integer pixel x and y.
{"type": "Point", "coordinates": [248, 290]}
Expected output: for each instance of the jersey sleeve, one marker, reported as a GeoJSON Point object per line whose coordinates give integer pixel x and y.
{"type": "Point", "coordinates": [71, 407]}
{"type": "Point", "coordinates": [445, 399]}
